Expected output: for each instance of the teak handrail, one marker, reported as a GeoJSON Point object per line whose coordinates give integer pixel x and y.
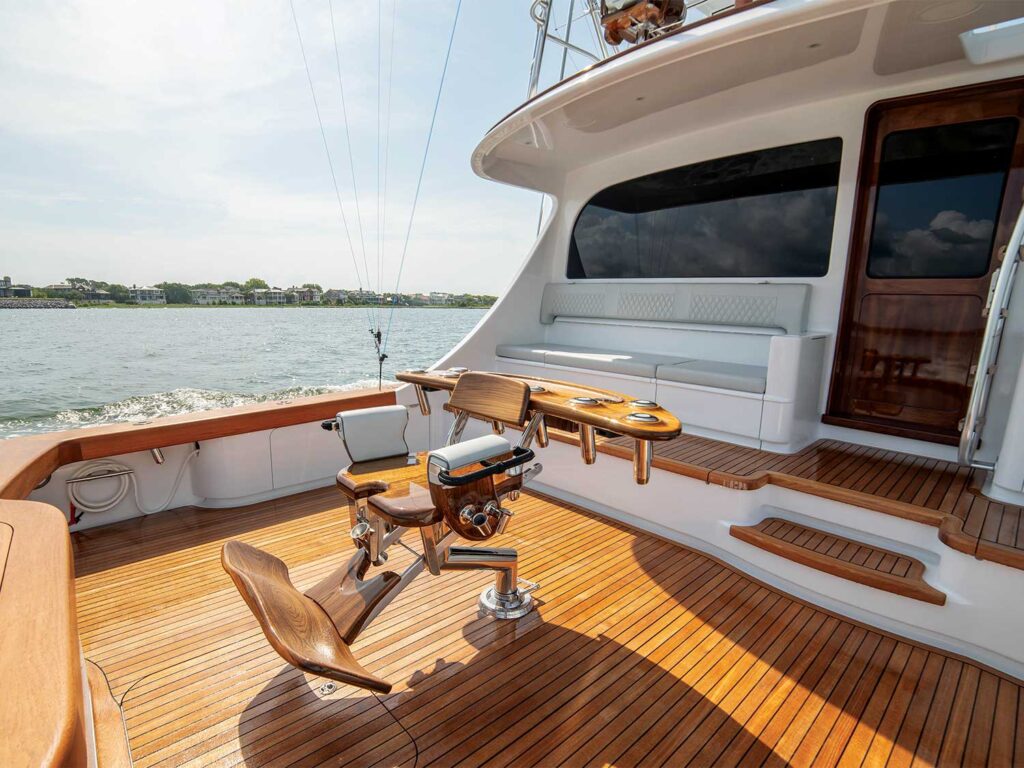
{"type": "Point", "coordinates": [26, 461]}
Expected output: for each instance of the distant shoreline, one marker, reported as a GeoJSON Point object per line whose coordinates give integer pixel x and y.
{"type": "Point", "coordinates": [36, 304]}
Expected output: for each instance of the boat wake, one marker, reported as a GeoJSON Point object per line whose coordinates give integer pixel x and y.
{"type": "Point", "coordinates": [143, 408]}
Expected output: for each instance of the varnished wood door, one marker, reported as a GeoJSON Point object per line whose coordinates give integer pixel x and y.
{"type": "Point", "coordinates": [940, 185]}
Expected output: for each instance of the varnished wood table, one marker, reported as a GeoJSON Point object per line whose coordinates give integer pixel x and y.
{"type": "Point", "coordinates": [590, 407]}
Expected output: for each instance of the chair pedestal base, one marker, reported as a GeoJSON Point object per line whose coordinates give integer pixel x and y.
{"type": "Point", "coordinates": [506, 606]}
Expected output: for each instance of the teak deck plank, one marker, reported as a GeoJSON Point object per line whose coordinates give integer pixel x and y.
{"type": "Point", "coordinates": [927, 490]}
{"type": "Point", "coordinates": [827, 552]}
{"type": "Point", "coordinates": [641, 652]}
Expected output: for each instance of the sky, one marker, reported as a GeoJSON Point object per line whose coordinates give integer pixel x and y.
{"type": "Point", "coordinates": [143, 142]}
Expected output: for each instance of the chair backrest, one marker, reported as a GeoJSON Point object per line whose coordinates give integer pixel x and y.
{"type": "Point", "coordinates": [297, 627]}
{"type": "Point", "coordinates": [491, 398]}
{"type": "Point", "coordinates": [374, 433]}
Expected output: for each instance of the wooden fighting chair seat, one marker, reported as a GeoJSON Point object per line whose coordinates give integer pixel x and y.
{"type": "Point", "coordinates": [311, 631]}
{"type": "Point", "coordinates": [451, 492]}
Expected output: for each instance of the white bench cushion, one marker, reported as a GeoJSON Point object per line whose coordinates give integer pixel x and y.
{"type": "Point", "coordinates": [532, 352]}
{"type": "Point", "coordinates": [711, 373]}
{"type": "Point", "coordinates": [607, 360]}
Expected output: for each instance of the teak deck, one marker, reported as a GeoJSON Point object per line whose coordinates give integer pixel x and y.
{"type": "Point", "coordinates": [846, 558]}
{"type": "Point", "coordinates": [641, 652]}
{"type": "Point", "coordinates": [931, 491]}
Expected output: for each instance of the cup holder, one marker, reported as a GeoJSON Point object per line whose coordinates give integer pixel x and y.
{"type": "Point", "coordinates": [643, 418]}
{"type": "Point", "coordinates": [584, 402]}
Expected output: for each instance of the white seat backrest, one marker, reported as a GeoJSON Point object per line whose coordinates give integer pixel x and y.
{"type": "Point", "coordinates": [756, 305]}
{"type": "Point", "coordinates": [374, 433]}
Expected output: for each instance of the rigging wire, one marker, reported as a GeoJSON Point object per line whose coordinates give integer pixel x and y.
{"type": "Point", "coordinates": [327, 149]}
{"type": "Point", "coordinates": [348, 146]}
{"type": "Point", "coordinates": [380, 67]}
{"type": "Point", "coordinates": [423, 165]}
{"type": "Point", "coordinates": [387, 149]}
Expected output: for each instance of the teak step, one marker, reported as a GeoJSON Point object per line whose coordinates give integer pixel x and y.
{"type": "Point", "coordinates": [845, 558]}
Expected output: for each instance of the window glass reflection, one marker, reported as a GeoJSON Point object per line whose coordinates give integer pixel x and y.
{"type": "Point", "coordinates": [759, 214]}
{"type": "Point", "coordinates": [939, 194]}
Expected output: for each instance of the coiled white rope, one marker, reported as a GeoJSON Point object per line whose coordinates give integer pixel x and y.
{"type": "Point", "coordinates": [124, 481]}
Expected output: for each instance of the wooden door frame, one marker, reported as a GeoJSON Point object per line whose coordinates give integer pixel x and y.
{"type": "Point", "coordinates": [863, 225]}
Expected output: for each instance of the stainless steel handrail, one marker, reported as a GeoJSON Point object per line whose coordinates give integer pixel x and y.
{"type": "Point", "coordinates": [995, 308]}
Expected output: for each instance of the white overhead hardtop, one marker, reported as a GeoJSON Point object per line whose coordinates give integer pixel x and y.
{"type": "Point", "coordinates": [761, 60]}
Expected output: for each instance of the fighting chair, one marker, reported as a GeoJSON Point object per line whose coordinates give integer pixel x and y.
{"type": "Point", "coordinates": [451, 492]}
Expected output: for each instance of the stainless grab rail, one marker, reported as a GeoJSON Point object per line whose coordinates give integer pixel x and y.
{"type": "Point", "coordinates": [995, 309]}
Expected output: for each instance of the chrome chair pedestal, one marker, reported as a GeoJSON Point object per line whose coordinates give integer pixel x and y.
{"type": "Point", "coordinates": [502, 606]}
{"type": "Point", "coordinates": [504, 600]}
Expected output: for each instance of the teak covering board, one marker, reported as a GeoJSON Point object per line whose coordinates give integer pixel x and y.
{"type": "Point", "coordinates": [42, 708]}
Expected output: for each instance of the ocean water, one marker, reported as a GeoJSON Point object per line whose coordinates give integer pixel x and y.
{"type": "Point", "coordinates": [61, 369]}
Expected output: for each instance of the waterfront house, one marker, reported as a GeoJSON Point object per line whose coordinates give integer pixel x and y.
{"type": "Point", "coordinates": [6, 289]}
{"type": "Point", "coordinates": [147, 294]}
{"type": "Point", "coordinates": [364, 297]}
{"type": "Point", "coordinates": [59, 289]}
{"type": "Point", "coordinates": [212, 296]}
{"type": "Point", "coordinates": [268, 296]}
{"type": "Point", "coordinates": [304, 295]}
{"type": "Point", "coordinates": [97, 296]}
{"type": "Point", "coordinates": [335, 296]}
{"type": "Point", "coordinates": [440, 299]}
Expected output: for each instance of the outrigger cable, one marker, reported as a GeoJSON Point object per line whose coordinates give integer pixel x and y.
{"type": "Point", "coordinates": [423, 166]}
{"type": "Point", "coordinates": [327, 151]}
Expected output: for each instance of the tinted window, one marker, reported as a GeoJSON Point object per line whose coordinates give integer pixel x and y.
{"type": "Point", "coordinates": [759, 214]}
{"type": "Point", "coordinates": [939, 193]}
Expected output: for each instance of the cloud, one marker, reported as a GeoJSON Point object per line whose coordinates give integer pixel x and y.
{"type": "Point", "coordinates": [952, 244]}
{"type": "Point", "coordinates": [173, 141]}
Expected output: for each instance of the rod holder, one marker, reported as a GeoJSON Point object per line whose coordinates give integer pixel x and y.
{"type": "Point", "coordinates": [542, 433]}
{"type": "Point", "coordinates": [535, 429]}
{"type": "Point", "coordinates": [455, 433]}
{"type": "Point", "coordinates": [643, 453]}
{"type": "Point", "coordinates": [421, 398]}
{"type": "Point", "coordinates": [588, 443]}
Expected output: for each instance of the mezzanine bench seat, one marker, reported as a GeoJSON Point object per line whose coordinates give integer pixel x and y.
{"type": "Point", "coordinates": [731, 360]}
{"type": "Point", "coordinates": [708, 373]}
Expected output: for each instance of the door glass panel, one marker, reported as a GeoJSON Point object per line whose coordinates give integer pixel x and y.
{"type": "Point", "coordinates": [939, 194]}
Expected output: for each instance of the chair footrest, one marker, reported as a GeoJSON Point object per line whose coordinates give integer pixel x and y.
{"type": "Point", "coordinates": [848, 559]}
